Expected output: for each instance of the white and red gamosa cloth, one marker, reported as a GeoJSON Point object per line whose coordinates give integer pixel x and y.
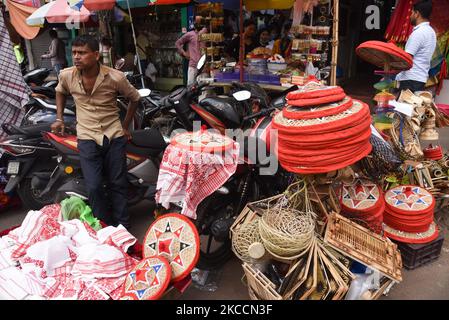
{"type": "Point", "coordinates": [46, 258]}
{"type": "Point", "coordinates": [187, 177]}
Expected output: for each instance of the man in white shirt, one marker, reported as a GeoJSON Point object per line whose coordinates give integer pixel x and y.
{"type": "Point", "coordinates": [421, 45]}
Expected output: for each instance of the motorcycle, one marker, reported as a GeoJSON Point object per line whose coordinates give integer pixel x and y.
{"type": "Point", "coordinates": [26, 153]}
{"type": "Point", "coordinates": [37, 76]}
{"type": "Point", "coordinates": [32, 160]}
{"type": "Point", "coordinates": [182, 107]}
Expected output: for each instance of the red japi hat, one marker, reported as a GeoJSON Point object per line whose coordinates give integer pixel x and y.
{"type": "Point", "coordinates": [293, 112]}
{"type": "Point", "coordinates": [361, 197]}
{"type": "Point", "coordinates": [308, 145]}
{"type": "Point", "coordinates": [409, 200]}
{"type": "Point", "coordinates": [412, 237]}
{"type": "Point", "coordinates": [378, 53]}
{"type": "Point", "coordinates": [409, 214]}
{"type": "Point", "coordinates": [202, 141]}
{"type": "Point", "coordinates": [174, 237]}
{"type": "Point", "coordinates": [309, 92]}
{"type": "Point", "coordinates": [358, 112]}
{"type": "Point", "coordinates": [311, 102]}
{"type": "Point", "coordinates": [148, 280]}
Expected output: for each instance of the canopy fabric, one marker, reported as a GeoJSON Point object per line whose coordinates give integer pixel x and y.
{"type": "Point", "coordinates": [95, 5]}
{"type": "Point", "coordinates": [29, 3]}
{"type": "Point", "coordinates": [146, 3]}
{"type": "Point", "coordinates": [19, 13]}
{"type": "Point", "coordinates": [57, 11]}
{"type": "Point", "coordinates": [254, 5]}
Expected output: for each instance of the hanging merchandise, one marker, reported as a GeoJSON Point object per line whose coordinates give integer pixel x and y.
{"type": "Point", "coordinates": [409, 215]}
{"type": "Point", "coordinates": [400, 26]}
{"type": "Point", "coordinates": [148, 280]}
{"type": "Point", "coordinates": [175, 238]}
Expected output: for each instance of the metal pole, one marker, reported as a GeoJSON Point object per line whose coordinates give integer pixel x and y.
{"type": "Point", "coordinates": [242, 42]}
{"type": "Point", "coordinates": [135, 44]}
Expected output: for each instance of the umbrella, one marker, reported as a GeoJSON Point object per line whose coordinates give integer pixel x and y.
{"type": "Point", "coordinates": [57, 11]}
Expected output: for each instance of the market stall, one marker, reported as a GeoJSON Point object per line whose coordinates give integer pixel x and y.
{"type": "Point", "coordinates": [313, 49]}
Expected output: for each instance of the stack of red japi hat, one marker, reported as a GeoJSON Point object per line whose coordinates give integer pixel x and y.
{"type": "Point", "coordinates": [408, 216]}
{"type": "Point", "coordinates": [363, 202]}
{"type": "Point", "coordinates": [321, 129]}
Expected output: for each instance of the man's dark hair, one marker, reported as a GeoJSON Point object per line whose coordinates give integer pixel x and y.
{"type": "Point", "coordinates": [424, 7]}
{"type": "Point", "coordinates": [249, 22]}
{"type": "Point", "coordinates": [53, 34]}
{"type": "Point", "coordinates": [88, 40]}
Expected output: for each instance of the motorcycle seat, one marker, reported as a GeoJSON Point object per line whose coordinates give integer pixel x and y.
{"type": "Point", "coordinates": [224, 108]}
{"type": "Point", "coordinates": [148, 142]}
{"type": "Point", "coordinates": [30, 130]}
{"type": "Point", "coordinates": [69, 104]}
{"type": "Point", "coordinates": [46, 91]}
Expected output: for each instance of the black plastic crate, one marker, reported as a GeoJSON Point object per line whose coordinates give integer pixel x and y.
{"type": "Point", "coordinates": [417, 255]}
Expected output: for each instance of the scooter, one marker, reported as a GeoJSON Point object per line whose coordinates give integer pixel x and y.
{"type": "Point", "coordinates": [37, 76]}
{"type": "Point", "coordinates": [26, 153]}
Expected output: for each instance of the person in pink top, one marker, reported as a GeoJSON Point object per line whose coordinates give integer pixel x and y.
{"type": "Point", "coordinates": [193, 53]}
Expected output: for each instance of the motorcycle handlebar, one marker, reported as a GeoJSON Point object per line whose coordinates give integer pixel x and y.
{"type": "Point", "coordinates": [260, 113]}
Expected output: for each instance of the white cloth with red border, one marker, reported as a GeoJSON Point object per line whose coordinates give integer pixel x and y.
{"type": "Point", "coordinates": [187, 177]}
{"type": "Point", "coordinates": [46, 258]}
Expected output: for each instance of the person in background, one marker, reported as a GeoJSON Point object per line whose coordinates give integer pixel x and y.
{"type": "Point", "coordinates": [421, 45]}
{"type": "Point", "coordinates": [20, 56]}
{"type": "Point", "coordinates": [249, 31]}
{"type": "Point", "coordinates": [264, 38]}
{"type": "Point", "coordinates": [56, 52]}
{"type": "Point", "coordinates": [102, 137]}
{"type": "Point", "coordinates": [130, 60]}
{"type": "Point", "coordinates": [150, 74]}
{"type": "Point", "coordinates": [193, 52]}
{"type": "Point", "coordinates": [142, 48]}
{"type": "Point", "coordinates": [283, 46]}
{"type": "Point", "coordinates": [106, 52]}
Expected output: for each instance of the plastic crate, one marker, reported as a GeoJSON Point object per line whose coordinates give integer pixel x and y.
{"type": "Point", "coordinates": [417, 255]}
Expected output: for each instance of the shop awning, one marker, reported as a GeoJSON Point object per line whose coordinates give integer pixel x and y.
{"type": "Point", "coordinates": [254, 5]}
{"type": "Point", "coordinates": [19, 13]}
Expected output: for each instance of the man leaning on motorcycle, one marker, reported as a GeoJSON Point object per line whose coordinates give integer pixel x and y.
{"type": "Point", "coordinates": [102, 138]}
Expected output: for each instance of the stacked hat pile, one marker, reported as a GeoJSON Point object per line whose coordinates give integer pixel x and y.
{"type": "Point", "coordinates": [409, 213]}
{"type": "Point", "coordinates": [363, 201]}
{"type": "Point", "coordinates": [321, 129]}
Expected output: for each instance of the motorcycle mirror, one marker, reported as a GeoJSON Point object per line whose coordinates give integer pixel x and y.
{"type": "Point", "coordinates": [242, 95]}
{"type": "Point", "coordinates": [119, 64]}
{"type": "Point", "coordinates": [201, 62]}
{"type": "Point", "coordinates": [144, 92]}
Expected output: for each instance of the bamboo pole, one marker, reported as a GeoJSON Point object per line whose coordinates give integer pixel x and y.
{"type": "Point", "coordinates": [336, 11]}
{"type": "Point", "coordinates": [242, 43]}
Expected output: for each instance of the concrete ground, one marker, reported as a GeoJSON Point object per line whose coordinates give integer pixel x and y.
{"type": "Point", "coordinates": [427, 282]}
